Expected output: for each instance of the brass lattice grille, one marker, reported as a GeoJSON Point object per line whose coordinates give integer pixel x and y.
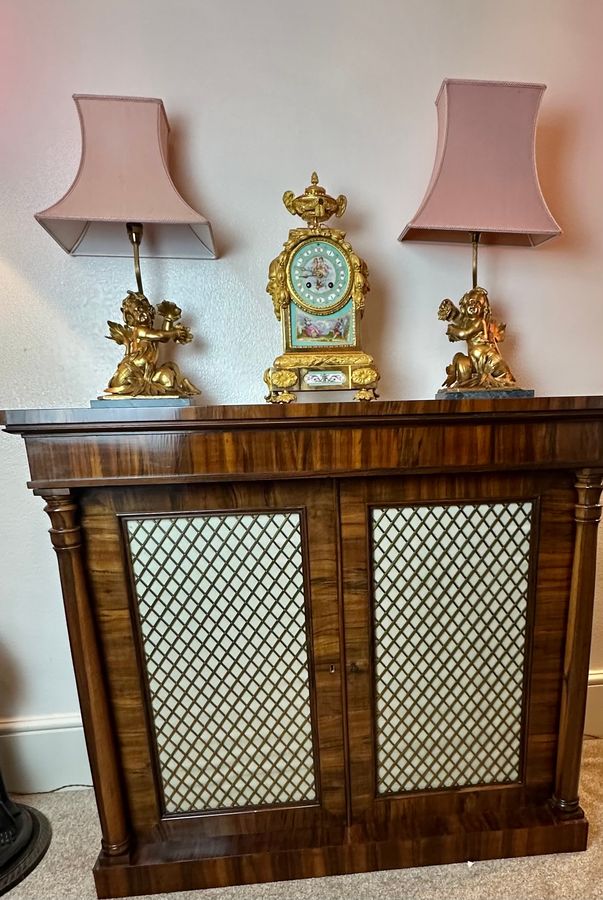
{"type": "Point", "coordinates": [222, 616]}
{"type": "Point", "coordinates": [450, 588]}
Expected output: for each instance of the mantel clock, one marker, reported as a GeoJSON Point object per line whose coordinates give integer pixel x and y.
{"type": "Point", "coordinates": [317, 285]}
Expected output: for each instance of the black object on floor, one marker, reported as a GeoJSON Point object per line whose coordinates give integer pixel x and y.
{"type": "Point", "coordinates": [24, 839]}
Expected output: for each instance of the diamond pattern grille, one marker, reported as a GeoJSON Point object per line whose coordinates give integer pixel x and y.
{"type": "Point", "coordinates": [222, 615]}
{"type": "Point", "coordinates": [450, 588]}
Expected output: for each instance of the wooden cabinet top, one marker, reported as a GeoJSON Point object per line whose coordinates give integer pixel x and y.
{"type": "Point", "coordinates": [85, 420]}
{"type": "Point", "coordinates": [79, 447]}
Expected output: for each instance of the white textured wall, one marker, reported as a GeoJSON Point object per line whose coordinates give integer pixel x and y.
{"type": "Point", "coordinates": [259, 94]}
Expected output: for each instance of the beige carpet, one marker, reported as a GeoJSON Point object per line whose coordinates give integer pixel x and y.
{"type": "Point", "coordinates": [64, 874]}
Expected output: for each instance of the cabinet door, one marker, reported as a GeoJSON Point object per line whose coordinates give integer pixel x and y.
{"type": "Point", "coordinates": [218, 612]}
{"type": "Point", "coordinates": [455, 597]}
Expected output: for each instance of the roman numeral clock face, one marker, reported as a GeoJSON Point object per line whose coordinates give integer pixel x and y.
{"type": "Point", "coordinates": [319, 276]}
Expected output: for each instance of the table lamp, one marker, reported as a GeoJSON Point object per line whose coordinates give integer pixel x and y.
{"type": "Point", "coordinates": [123, 187]}
{"type": "Point", "coordinates": [484, 189]}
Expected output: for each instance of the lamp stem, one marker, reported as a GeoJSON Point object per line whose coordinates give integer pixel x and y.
{"type": "Point", "coordinates": [135, 235]}
{"type": "Point", "coordinates": [475, 236]}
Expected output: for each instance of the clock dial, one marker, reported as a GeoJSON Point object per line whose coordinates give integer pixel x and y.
{"type": "Point", "coordinates": [319, 276]}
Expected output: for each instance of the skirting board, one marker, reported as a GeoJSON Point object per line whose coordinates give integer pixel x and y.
{"type": "Point", "coordinates": [41, 754]}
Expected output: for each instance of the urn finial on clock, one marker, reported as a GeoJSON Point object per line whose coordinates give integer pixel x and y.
{"type": "Point", "coordinates": [315, 206]}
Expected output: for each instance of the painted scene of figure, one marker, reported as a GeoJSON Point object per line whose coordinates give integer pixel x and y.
{"type": "Point", "coordinates": [320, 329]}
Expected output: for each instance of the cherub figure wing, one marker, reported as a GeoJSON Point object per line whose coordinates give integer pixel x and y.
{"type": "Point", "coordinates": [497, 331]}
{"type": "Point", "coordinates": [121, 334]}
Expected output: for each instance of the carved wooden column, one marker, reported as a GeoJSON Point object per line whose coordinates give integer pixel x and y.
{"type": "Point", "coordinates": [577, 647]}
{"type": "Point", "coordinates": [65, 534]}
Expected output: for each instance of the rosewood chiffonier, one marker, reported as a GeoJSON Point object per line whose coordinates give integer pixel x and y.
{"type": "Point", "coordinates": [325, 638]}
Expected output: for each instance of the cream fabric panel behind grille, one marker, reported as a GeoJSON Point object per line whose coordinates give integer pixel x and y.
{"type": "Point", "coordinates": [222, 616]}
{"type": "Point", "coordinates": [450, 587]}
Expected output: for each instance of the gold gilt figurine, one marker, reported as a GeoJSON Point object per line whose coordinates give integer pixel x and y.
{"type": "Point", "coordinates": [139, 374]}
{"type": "Point", "coordinates": [317, 285]}
{"type": "Point", "coordinates": [483, 366]}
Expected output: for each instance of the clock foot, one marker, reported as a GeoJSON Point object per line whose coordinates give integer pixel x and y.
{"type": "Point", "coordinates": [366, 394]}
{"type": "Point", "coordinates": [365, 379]}
{"type": "Point", "coordinates": [277, 381]}
{"type": "Point", "coordinates": [280, 397]}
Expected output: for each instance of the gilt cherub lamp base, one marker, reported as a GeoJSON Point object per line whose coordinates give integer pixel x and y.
{"type": "Point", "coordinates": [480, 373]}
{"type": "Point", "coordinates": [141, 375]}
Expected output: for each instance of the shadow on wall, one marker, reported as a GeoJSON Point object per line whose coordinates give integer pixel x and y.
{"type": "Point", "coordinates": [554, 137]}
{"type": "Point", "coordinates": [39, 753]}
{"type": "Point", "coordinates": [378, 301]}
{"type": "Point", "coordinates": [186, 182]}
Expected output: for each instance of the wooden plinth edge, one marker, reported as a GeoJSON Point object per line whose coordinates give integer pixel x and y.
{"type": "Point", "coordinates": [541, 832]}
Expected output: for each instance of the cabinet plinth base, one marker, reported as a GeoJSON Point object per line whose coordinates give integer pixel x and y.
{"type": "Point", "coordinates": [248, 859]}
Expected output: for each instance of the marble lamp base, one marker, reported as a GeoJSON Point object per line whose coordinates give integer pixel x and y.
{"type": "Point", "coordinates": [496, 394]}
{"type": "Point", "coordinates": [142, 402]}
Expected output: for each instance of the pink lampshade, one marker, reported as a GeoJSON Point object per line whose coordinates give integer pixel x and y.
{"type": "Point", "coordinates": [484, 176]}
{"type": "Point", "coordinates": [124, 177]}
